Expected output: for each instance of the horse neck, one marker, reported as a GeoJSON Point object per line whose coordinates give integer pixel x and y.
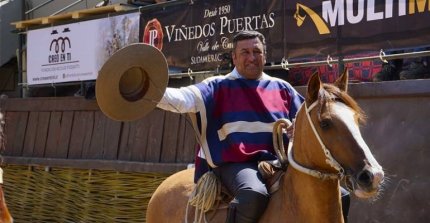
{"type": "Point", "coordinates": [313, 199]}
{"type": "Point", "coordinates": [310, 199]}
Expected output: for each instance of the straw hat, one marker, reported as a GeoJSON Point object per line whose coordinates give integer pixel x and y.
{"type": "Point", "coordinates": [131, 82]}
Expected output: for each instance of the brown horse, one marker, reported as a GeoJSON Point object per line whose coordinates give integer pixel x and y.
{"type": "Point", "coordinates": [5, 216]}
{"type": "Point", "coordinates": [328, 148]}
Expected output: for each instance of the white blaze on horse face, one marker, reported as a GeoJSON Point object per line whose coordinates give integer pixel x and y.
{"type": "Point", "coordinates": [346, 115]}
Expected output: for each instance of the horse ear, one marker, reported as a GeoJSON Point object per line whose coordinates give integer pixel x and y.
{"type": "Point", "coordinates": [342, 81]}
{"type": "Point", "coordinates": [314, 86]}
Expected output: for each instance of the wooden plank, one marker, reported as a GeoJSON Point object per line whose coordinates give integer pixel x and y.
{"type": "Point", "coordinates": [36, 134]}
{"type": "Point", "coordinates": [105, 138]}
{"type": "Point", "coordinates": [100, 10]}
{"type": "Point", "coordinates": [65, 133]}
{"type": "Point", "coordinates": [155, 120]}
{"type": "Point", "coordinates": [53, 135]}
{"type": "Point", "coordinates": [27, 23]}
{"type": "Point", "coordinates": [111, 139]}
{"type": "Point", "coordinates": [171, 131]}
{"type": "Point", "coordinates": [49, 104]}
{"type": "Point", "coordinates": [15, 128]}
{"type": "Point", "coordinates": [125, 146]}
{"type": "Point", "coordinates": [42, 134]}
{"type": "Point", "coordinates": [60, 126]}
{"type": "Point", "coordinates": [140, 138]}
{"type": "Point", "coordinates": [81, 134]}
{"type": "Point", "coordinates": [180, 137]}
{"type": "Point", "coordinates": [123, 166]}
{"type": "Point", "coordinates": [189, 145]}
{"type": "Point", "coordinates": [71, 15]}
{"type": "Point", "coordinates": [96, 149]}
{"type": "Point", "coordinates": [30, 134]}
{"type": "Point", "coordinates": [57, 18]}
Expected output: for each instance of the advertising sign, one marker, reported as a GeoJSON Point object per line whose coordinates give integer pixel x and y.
{"type": "Point", "coordinates": [341, 27]}
{"type": "Point", "coordinates": [198, 35]}
{"type": "Point", "coordinates": [76, 52]}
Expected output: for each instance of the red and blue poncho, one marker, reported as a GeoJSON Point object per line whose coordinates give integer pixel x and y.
{"type": "Point", "coordinates": [234, 116]}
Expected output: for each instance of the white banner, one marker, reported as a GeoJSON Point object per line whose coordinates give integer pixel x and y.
{"type": "Point", "coordinates": [76, 51]}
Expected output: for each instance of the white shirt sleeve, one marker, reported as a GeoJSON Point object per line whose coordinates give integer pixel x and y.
{"type": "Point", "coordinates": [182, 100]}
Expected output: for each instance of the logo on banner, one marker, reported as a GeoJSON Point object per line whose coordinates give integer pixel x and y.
{"type": "Point", "coordinates": [58, 48]}
{"type": "Point", "coordinates": [153, 34]}
{"type": "Point", "coordinates": [341, 12]}
{"type": "Point", "coordinates": [316, 19]}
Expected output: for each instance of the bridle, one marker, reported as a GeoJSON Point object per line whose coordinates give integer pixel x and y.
{"type": "Point", "coordinates": [278, 143]}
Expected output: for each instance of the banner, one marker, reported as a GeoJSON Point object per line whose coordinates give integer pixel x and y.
{"type": "Point", "coordinates": [343, 27]}
{"type": "Point", "coordinates": [198, 36]}
{"type": "Point", "coordinates": [76, 52]}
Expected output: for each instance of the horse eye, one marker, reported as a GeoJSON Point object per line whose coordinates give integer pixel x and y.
{"type": "Point", "coordinates": [325, 124]}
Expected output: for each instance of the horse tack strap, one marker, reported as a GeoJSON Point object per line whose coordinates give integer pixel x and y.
{"type": "Point", "coordinates": [315, 173]}
{"type": "Point", "coordinates": [330, 160]}
{"type": "Point", "coordinates": [278, 143]}
{"type": "Point", "coordinates": [1, 176]}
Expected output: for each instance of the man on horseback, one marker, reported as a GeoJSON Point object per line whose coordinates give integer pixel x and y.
{"type": "Point", "coordinates": [234, 117]}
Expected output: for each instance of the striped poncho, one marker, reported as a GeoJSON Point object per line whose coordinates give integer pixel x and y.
{"type": "Point", "coordinates": [234, 116]}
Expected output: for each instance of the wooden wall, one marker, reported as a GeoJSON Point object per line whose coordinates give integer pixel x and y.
{"type": "Point", "coordinates": [73, 132]}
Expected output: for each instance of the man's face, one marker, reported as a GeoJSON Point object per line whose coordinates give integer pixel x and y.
{"type": "Point", "coordinates": [249, 58]}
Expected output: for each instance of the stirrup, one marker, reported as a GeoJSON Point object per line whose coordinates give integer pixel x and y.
{"type": "Point", "coordinates": [272, 174]}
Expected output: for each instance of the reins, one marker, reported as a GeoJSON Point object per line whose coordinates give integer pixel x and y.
{"type": "Point", "coordinates": [278, 143]}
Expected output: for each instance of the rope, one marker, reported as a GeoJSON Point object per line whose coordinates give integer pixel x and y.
{"type": "Point", "coordinates": [278, 142]}
{"type": "Point", "coordinates": [204, 196]}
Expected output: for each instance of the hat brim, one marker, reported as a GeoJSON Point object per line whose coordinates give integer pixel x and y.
{"type": "Point", "coordinates": [112, 101]}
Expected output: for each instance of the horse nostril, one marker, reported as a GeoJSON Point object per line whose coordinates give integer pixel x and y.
{"type": "Point", "coordinates": [365, 178]}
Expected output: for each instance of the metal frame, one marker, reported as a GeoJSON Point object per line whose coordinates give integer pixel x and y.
{"type": "Point", "coordinates": [329, 61]}
{"type": "Point", "coordinates": [38, 6]}
{"type": "Point", "coordinates": [67, 7]}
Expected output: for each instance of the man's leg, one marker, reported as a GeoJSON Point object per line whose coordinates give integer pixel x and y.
{"type": "Point", "coordinates": [246, 185]}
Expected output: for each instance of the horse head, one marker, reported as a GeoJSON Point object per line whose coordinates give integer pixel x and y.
{"type": "Point", "coordinates": [330, 121]}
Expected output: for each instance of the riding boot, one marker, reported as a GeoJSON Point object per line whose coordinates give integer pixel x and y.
{"type": "Point", "coordinates": [233, 217]}
{"type": "Point", "coordinates": [346, 199]}
{"type": "Point", "coordinates": [231, 214]}
{"type": "Point", "coordinates": [247, 207]}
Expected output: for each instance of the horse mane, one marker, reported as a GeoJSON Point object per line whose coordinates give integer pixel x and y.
{"type": "Point", "coordinates": [331, 93]}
